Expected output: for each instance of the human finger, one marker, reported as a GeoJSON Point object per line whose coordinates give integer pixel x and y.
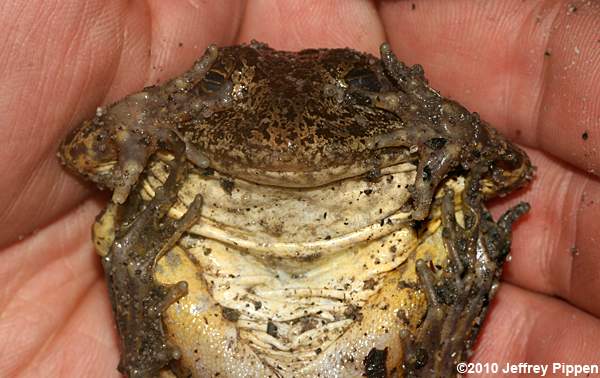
{"type": "Point", "coordinates": [530, 68]}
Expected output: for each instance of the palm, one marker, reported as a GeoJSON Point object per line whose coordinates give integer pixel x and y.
{"type": "Point", "coordinates": [61, 59]}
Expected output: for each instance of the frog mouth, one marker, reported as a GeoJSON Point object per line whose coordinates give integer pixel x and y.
{"type": "Point", "coordinates": [90, 152]}
{"type": "Point", "coordinates": [368, 165]}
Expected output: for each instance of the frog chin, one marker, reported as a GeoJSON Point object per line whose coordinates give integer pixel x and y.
{"type": "Point", "coordinates": [311, 177]}
{"type": "Point", "coordinates": [292, 222]}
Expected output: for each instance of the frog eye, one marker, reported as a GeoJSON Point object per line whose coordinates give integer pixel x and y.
{"type": "Point", "coordinates": [363, 78]}
{"type": "Point", "coordinates": [213, 81]}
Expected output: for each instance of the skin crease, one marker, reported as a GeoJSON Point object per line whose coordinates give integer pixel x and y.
{"type": "Point", "coordinates": [530, 68]}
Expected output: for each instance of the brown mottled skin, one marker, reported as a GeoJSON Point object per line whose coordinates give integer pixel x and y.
{"type": "Point", "coordinates": [295, 116]}
{"type": "Point", "coordinates": [300, 119]}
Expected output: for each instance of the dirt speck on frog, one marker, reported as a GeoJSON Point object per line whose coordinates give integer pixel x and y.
{"type": "Point", "coordinates": [295, 214]}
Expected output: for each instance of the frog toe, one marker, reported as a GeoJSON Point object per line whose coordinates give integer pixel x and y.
{"type": "Point", "coordinates": [138, 300]}
{"type": "Point", "coordinates": [459, 294]}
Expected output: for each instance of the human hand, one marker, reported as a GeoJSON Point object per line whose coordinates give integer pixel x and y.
{"type": "Point", "coordinates": [61, 59]}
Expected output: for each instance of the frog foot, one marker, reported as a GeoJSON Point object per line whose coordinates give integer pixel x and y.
{"type": "Point", "coordinates": [459, 295]}
{"type": "Point", "coordinates": [136, 145]}
{"type": "Point", "coordinates": [139, 128]}
{"type": "Point", "coordinates": [138, 300]}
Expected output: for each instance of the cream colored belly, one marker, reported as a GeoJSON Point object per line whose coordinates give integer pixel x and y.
{"type": "Point", "coordinates": [273, 294]}
{"type": "Point", "coordinates": [248, 317]}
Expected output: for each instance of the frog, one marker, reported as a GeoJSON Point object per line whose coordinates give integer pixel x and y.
{"type": "Point", "coordinates": [295, 214]}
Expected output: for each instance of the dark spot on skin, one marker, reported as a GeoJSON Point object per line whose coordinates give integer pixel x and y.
{"type": "Point", "coordinates": [272, 329]}
{"type": "Point", "coordinates": [401, 315]}
{"type": "Point", "coordinates": [308, 324]}
{"type": "Point", "coordinates": [407, 206]}
{"type": "Point", "coordinates": [374, 174]}
{"type": "Point", "coordinates": [572, 8]}
{"type": "Point", "coordinates": [311, 257]}
{"type": "Point", "coordinates": [353, 312]}
{"type": "Point", "coordinates": [426, 173]}
{"type": "Point", "coordinates": [413, 6]}
{"type": "Point", "coordinates": [574, 251]}
{"type": "Point", "coordinates": [375, 363]}
{"type": "Point", "coordinates": [436, 143]}
{"type": "Point", "coordinates": [407, 285]}
{"type": "Point", "coordinates": [227, 185]}
{"type": "Point", "coordinates": [547, 53]}
{"type": "Point", "coordinates": [369, 284]}
{"type": "Point", "coordinates": [318, 351]}
{"type": "Point", "coordinates": [446, 292]}
{"type": "Point", "coordinates": [419, 358]}
{"type": "Point", "coordinates": [368, 191]}
{"type": "Point", "coordinates": [257, 305]}
{"type": "Point", "coordinates": [230, 314]}
{"type": "Point", "coordinates": [180, 44]}
{"type": "Point", "coordinates": [585, 135]}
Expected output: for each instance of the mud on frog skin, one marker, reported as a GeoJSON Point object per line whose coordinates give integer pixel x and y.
{"type": "Point", "coordinates": [311, 213]}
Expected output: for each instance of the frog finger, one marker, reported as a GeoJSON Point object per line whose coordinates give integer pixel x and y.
{"type": "Point", "coordinates": [138, 300]}
{"type": "Point", "coordinates": [451, 241]}
{"type": "Point", "coordinates": [139, 131]}
{"type": "Point", "coordinates": [172, 229]}
{"type": "Point", "coordinates": [430, 351]}
{"type": "Point", "coordinates": [459, 294]}
{"type": "Point", "coordinates": [433, 167]}
{"type": "Point", "coordinates": [511, 215]}
{"type": "Point", "coordinates": [410, 79]}
{"type": "Point", "coordinates": [136, 213]}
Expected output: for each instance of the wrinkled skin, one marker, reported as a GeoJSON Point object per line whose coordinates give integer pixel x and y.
{"type": "Point", "coordinates": [280, 125]}
{"type": "Point", "coordinates": [562, 273]}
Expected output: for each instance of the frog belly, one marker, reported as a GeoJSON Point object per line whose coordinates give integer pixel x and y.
{"type": "Point", "coordinates": [249, 316]}
{"type": "Point", "coordinates": [271, 293]}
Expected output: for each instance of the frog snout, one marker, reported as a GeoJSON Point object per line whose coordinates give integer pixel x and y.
{"type": "Point", "coordinates": [90, 152]}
